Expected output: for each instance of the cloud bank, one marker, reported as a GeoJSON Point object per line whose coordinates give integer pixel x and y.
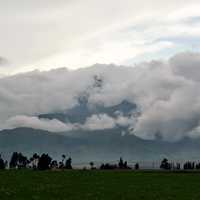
{"type": "Point", "coordinates": [95, 122]}
{"type": "Point", "coordinates": [166, 93]}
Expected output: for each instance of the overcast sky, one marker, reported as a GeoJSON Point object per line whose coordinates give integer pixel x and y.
{"type": "Point", "coordinates": [48, 34]}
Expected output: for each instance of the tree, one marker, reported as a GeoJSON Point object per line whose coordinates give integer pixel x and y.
{"type": "Point", "coordinates": [91, 165]}
{"type": "Point", "coordinates": [44, 162]}
{"type": "Point", "coordinates": [137, 166]}
{"type": "Point", "coordinates": [178, 166]}
{"type": "Point", "coordinates": [61, 165]}
{"type": "Point", "coordinates": [18, 160]}
{"type": "Point", "coordinates": [22, 161]}
{"type": "Point", "coordinates": [63, 158]}
{"type": "Point", "coordinates": [189, 165]}
{"type": "Point", "coordinates": [2, 163]}
{"type": "Point", "coordinates": [54, 164]}
{"type": "Point", "coordinates": [108, 166]}
{"type": "Point", "coordinates": [34, 160]}
{"type": "Point", "coordinates": [165, 164]}
{"type": "Point", "coordinates": [13, 160]}
{"type": "Point", "coordinates": [68, 163]}
{"type": "Point", "coordinates": [122, 164]}
{"type": "Point", "coordinates": [197, 166]}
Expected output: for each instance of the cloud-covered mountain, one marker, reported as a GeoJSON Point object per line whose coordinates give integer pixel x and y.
{"type": "Point", "coordinates": [157, 101]}
{"type": "Point", "coordinates": [159, 98]}
{"type": "Point", "coordinates": [99, 145]}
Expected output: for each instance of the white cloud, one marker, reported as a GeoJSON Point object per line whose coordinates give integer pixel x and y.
{"type": "Point", "coordinates": [166, 93]}
{"type": "Point", "coordinates": [53, 125]}
{"type": "Point", "coordinates": [95, 122]}
{"type": "Point", "coordinates": [99, 122]}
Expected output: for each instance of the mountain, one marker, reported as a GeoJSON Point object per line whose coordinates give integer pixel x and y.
{"type": "Point", "coordinates": [82, 111]}
{"type": "Point", "coordinates": [96, 145]}
{"type": "Point", "coordinates": [104, 145]}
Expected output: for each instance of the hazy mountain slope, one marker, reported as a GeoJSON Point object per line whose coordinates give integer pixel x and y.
{"type": "Point", "coordinates": [98, 145]}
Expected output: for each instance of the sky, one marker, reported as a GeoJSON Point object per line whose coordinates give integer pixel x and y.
{"type": "Point", "coordinates": [148, 53]}
{"type": "Point", "coordinates": [75, 34]}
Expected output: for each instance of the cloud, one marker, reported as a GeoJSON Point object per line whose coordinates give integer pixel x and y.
{"type": "Point", "coordinates": [187, 65]}
{"type": "Point", "coordinates": [95, 122]}
{"type": "Point", "coordinates": [104, 121]}
{"type": "Point", "coordinates": [50, 34]}
{"type": "Point", "coordinates": [99, 122]}
{"type": "Point", "coordinates": [3, 61]}
{"type": "Point", "coordinates": [53, 125]}
{"type": "Point", "coordinates": [165, 92]}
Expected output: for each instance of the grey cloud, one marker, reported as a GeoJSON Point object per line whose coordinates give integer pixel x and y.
{"type": "Point", "coordinates": [166, 93]}
{"type": "Point", "coordinates": [187, 65]}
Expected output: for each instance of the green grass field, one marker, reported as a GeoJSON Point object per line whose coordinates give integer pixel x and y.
{"type": "Point", "coordinates": [116, 185]}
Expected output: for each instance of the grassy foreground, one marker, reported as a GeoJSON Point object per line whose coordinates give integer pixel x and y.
{"type": "Point", "coordinates": [116, 185]}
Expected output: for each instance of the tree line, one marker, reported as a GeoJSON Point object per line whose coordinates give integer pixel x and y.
{"type": "Point", "coordinates": [45, 162]}
{"type": "Point", "coordinates": [189, 165]}
{"type": "Point", "coordinates": [40, 162]}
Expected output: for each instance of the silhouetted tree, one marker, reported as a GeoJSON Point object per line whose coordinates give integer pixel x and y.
{"type": "Point", "coordinates": [34, 160]}
{"type": "Point", "coordinates": [197, 166]}
{"type": "Point", "coordinates": [22, 161]}
{"type": "Point", "coordinates": [91, 165]}
{"type": "Point", "coordinates": [122, 164]}
{"type": "Point", "coordinates": [189, 165]}
{"type": "Point", "coordinates": [13, 160]}
{"type": "Point", "coordinates": [68, 163]}
{"type": "Point", "coordinates": [63, 158]}
{"type": "Point", "coordinates": [2, 163]}
{"type": "Point", "coordinates": [178, 166]}
{"type": "Point", "coordinates": [108, 166]}
{"type": "Point", "coordinates": [165, 164]}
{"type": "Point", "coordinates": [136, 166]}
{"type": "Point", "coordinates": [18, 160]}
{"type": "Point", "coordinates": [44, 162]}
{"type": "Point", "coordinates": [54, 164]}
{"type": "Point", "coordinates": [61, 165]}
